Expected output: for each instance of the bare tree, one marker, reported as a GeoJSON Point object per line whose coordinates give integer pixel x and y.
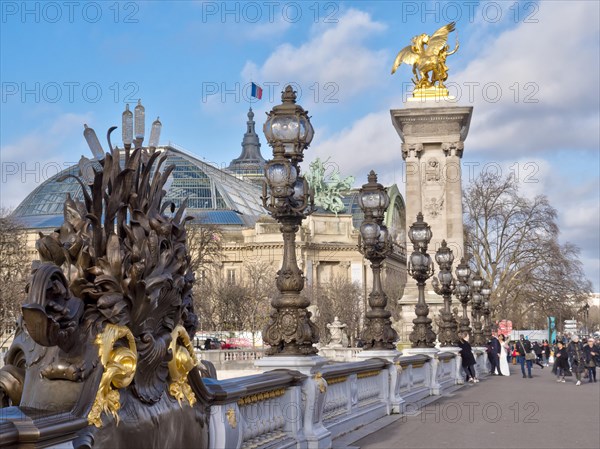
{"type": "Point", "coordinates": [340, 297]}
{"type": "Point", "coordinates": [513, 241]}
{"type": "Point", "coordinates": [259, 285]}
{"type": "Point", "coordinates": [14, 270]}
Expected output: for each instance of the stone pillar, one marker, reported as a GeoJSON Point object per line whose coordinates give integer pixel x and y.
{"type": "Point", "coordinates": [433, 135]}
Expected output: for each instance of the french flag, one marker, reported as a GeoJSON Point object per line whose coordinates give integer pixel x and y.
{"type": "Point", "coordinates": [256, 91]}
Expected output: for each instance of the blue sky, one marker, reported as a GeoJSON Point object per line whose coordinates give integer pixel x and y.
{"type": "Point", "coordinates": [529, 69]}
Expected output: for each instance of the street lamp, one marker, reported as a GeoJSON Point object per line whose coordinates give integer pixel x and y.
{"type": "Point", "coordinates": [289, 124]}
{"type": "Point", "coordinates": [420, 267]}
{"type": "Point", "coordinates": [375, 244]}
{"type": "Point", "coordinates": [463, 272]}
{"type": "Point", "coordinates": [477, 305]}
{"type": "Point", "coordinates": [486, 292]}
{"type": "Point", "coordinates": [287, 197]}
{"type": "Point", "coordinates": [444, 286]}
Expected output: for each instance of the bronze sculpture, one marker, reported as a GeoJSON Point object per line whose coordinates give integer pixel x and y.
{"type": "Point", "coordinates": [106, 327]}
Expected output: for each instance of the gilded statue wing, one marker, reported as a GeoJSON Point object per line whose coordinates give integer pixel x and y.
{"type": "Point", "coordinates": [407, 56]}
{"type": "Point", "coordinates": [439, 39]}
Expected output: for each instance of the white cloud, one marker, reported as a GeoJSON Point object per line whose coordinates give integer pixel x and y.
{"type": "Point", "coordinates": [547, 73]}
{"type": "Point", "coordinates": [334, 54]}
{"type": "Point", "coordinates": [39, 155]}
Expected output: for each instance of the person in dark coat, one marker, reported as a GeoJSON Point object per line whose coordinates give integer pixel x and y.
{"type": "Point", "coordinates": [592, 358]}
{"type": "Point", "coordinates": [468, 359]}
{"type": "Point", "coordinates": [561, 361]}
{"type": "Point", "coordinates": [494, 355]}
{"type": "Point", "coordinates": [577, 357]}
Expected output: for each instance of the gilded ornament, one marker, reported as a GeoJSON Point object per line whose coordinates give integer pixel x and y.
{"type": "Point", "coordinates": [183, 361]}
{"type": "Point", "coordinates": [427, 55]}
{"type": "Point", "coordinates": [231, 419]}
{"type": "Point", "coordinates": [119, 368]}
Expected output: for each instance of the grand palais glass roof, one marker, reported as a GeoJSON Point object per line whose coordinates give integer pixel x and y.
{"type": "Point", "coordinates": [214, 196]}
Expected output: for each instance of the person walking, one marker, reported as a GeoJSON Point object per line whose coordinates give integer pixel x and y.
{"type": "Point", "coordinates": [545, 352]}
{"type": "Point", "coordinates": [592, 358]}
{"type": "Point", "coordinates": [561, 362]}
{"type": "Point", "coordinates": [468, 359]}
{"type": "Point", "coordinates": [524, 350]}
{"type": "Point", "coordinates": [537, 350]}
{"type": "Point", "coordinates": [577, 357]}
{"type": "Point", "coordinates": [494, 355]}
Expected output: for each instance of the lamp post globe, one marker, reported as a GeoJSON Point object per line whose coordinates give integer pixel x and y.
{"type": "Point", "coordinates": [288, 124]}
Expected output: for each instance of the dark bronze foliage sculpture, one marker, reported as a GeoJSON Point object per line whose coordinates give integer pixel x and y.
{"type": "Point", "coordinates": [109, 314]}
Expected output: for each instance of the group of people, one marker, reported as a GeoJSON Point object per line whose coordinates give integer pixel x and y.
{"type": "Point", "coordinates": [569, 357]}
{"type": "Point", "coordinates": [575, 357]}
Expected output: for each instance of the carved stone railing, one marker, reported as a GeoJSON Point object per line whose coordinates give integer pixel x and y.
{"type": "Point", "coordinates": [340, 354]}
{"type": "Point", "coordinates": [357, 393]}
{"type": "Point", "coordinates": [231, 358]}
{"type": "Point", "coordinates": [255, 411]}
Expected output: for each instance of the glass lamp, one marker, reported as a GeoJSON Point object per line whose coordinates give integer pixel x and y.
{"type": "Point", "coordinates": [139, 120]}
{"type": "Point", "coordinates": [373, 198]}
{"type": "Point", "coordinates": [420, 233]}
{"type": "Point", "coordinates": [289, 124]}
{"type": "Point", "coordinates": [155, 133]}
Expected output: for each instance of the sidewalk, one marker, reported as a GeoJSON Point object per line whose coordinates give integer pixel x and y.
{"type": "Point", "coordinates": [500, 412]}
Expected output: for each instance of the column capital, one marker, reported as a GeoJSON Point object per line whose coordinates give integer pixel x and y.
{"type": "Point", "coordinates": [453, 148]}
{"type": "Point", "coordinates": [412, 150]}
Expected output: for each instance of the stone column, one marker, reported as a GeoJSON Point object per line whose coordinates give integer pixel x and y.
{"type": "Point", "coordinates": [433, 135]}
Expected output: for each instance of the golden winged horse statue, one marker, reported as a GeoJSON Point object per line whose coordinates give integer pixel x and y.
{"type": "Point", "coordinates": [428, 54]}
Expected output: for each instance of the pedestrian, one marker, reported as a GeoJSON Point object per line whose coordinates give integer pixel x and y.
{"type": "Point", "coordinates": [525, 356]}
{"type": "Point", "coordinates": [494, 355]}
{"type": "Point", "coordinates": [537, 350]}
{"type": "Point", "coordinates": [561, 362]}
{"type": "Point", "coordinates": [577, 357]}
{"type": "Point", "coordinates": [468, 359]}
{"type": "Point", "coordinates": [592, 358]}
{"type": "Point", "coordinates": [545, 352]}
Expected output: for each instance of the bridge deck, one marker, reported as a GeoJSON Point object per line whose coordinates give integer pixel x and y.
{"type": "Point", "coordinates": [499, 412]}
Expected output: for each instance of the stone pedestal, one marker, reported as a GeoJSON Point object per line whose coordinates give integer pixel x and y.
{"type": "Point", "coordinates": [433, 134]}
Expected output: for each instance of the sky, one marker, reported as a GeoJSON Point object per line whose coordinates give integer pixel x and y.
{"type": "Point", "coordinates": [529, 69]}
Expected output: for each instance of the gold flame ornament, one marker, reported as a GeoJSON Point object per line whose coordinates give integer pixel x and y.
{"type": "Point", "coordinates": [427, 54]}
{"type": "Point", "coordinates": [119, 368]}
{"type": "Point", "coordinates": [183, 361]}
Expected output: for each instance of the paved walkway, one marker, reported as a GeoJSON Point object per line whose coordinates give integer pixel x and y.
{"type": "Point", "coordinates": [499, 412]}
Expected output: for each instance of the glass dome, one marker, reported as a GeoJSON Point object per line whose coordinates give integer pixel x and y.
{"type": "Point", "coordinates": [214, 196]}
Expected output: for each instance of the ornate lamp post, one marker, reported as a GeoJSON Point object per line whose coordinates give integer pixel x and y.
{"type": "Point", "coordinates": [477, 306]}
{"type": "Point", "coordinates": [444, 285]}
{"type": "Point", "coordinates": [463, 272]}
{"type": "Point", "coordinates": [420, 267]}
{"type": "Point", "coordinates": [375, 244]}
{"type": "Point", "coordinates": [287, 198]}
{"type": "Point", "coordinates": [486, 292]}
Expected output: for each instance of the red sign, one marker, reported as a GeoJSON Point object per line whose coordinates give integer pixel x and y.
{"type": "Point", "coordinates": [504, 328]}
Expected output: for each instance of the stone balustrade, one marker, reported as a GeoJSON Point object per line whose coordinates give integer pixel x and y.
{"type": "Point", "coordinates": [226, 358]}
{"type": "Point", "coordinates": [284, 408]}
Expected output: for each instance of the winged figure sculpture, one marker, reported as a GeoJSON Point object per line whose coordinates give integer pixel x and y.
{"type": "Point", "coordinates": [427, 54]}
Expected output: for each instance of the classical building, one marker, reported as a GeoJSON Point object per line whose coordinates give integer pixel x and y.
{"type": "Point", "coordinates": [231, 200]}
